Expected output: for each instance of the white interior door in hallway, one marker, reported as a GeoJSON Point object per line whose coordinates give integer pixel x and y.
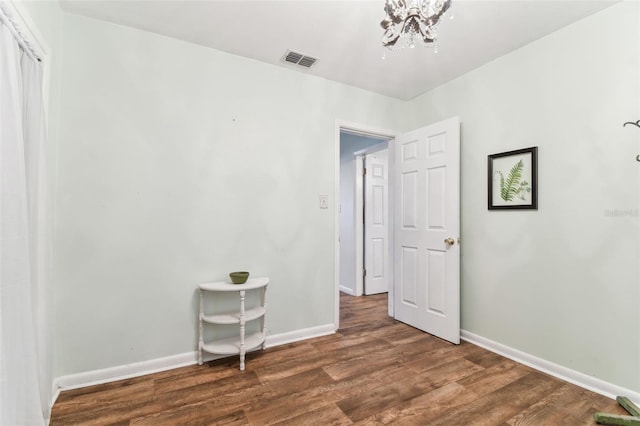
{"type": "Point", "coordinates": [376, 223]}
{"type": "Point", "coordinates": [426, 229]}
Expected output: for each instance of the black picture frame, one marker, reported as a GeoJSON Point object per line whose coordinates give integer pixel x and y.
{"type": "Point", "coordinates": [512, 178]}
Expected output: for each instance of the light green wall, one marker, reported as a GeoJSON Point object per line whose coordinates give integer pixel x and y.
{"type": "Point", "coordinates": [560, 283]}
{"type": "Point", "coordinates": [178, 165]}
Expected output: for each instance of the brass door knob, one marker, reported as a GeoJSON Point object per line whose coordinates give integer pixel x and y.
{"type": "Point", "coordinates": [449, 241]}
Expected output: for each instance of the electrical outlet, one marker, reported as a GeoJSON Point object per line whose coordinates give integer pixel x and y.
{"type": "Point", "coordinates": [324, 201]}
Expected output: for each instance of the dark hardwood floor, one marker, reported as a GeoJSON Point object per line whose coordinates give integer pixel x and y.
{"type": "Point", "coordinates": [375, 370]}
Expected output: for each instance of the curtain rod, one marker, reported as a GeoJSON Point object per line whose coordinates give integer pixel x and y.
{"type": "Point", "coordinates": [22, 41]}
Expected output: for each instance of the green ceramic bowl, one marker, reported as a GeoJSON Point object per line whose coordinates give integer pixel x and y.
{"type": "Point", "coordinates": [239, 277]}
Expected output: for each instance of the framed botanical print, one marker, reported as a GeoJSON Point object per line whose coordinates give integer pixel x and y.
{"type": "Point", "coordinates": [513, 179]}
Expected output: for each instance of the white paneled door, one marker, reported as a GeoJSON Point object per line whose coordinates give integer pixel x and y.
{"type": "Point", "coordinates": [376, 224]}
{"type": "Point", "coordinates": [426, 229]}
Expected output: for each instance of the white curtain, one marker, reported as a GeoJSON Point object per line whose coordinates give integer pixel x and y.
{"type": "Point", "coordinates": [24, 353]}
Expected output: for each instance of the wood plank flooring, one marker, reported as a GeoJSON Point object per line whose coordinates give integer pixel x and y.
{"type": "Point", "coordinates": [375, 370]}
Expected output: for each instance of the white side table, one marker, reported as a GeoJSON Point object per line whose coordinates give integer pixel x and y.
{"type": "Point", "coordinates": [240, 344]}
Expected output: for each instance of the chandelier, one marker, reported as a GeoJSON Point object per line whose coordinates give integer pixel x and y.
{"type": "Point", "coordinates": [414, 21]}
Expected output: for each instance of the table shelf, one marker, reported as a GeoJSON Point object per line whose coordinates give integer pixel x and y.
{"type": "Point", "coordinates": [231, 346]}
{"type": "Point", "coordinates": [234, 318]}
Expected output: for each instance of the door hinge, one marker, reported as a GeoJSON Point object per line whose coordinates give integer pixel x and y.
{"type": "Point", "coordinates": [364, 273]}
{"type": "Point", "coordinates": [364, 171]}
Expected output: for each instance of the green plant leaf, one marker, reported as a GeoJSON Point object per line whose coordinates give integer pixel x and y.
{"type": "Point", "coordinates": [511, 186]}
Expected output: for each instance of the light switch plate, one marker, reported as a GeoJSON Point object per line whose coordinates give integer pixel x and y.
{"type": "Point", "coordinates": [324, 201]}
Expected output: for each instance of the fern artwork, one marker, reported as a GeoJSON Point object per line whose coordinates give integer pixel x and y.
{"type": "Point", "coordinates": [514, 186]}
{"type": "Point", "coordinates": [513, 180]}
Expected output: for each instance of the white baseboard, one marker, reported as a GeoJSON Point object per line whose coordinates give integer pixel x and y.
{"type": "Point", "coordinates": [347, 290]}
{"type": "Point", "coordinates": [302, 334]}
{"type": "Point", "coordinates": [105, 375]}
{"type": "Point", "coordinates": [568, 375]}
{"type": "Point", "coordinates": [96, 377]}
{"type": "Point", "coordinates": [89, 378]}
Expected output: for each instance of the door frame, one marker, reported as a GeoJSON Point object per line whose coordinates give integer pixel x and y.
{"type": "Point", "coordinates": [359, 205]}
{"type": "Point", "coordinates": [361, 130]}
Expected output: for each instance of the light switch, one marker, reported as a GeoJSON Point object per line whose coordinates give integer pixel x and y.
{"type": "Point", "coordinates": [324, 201]}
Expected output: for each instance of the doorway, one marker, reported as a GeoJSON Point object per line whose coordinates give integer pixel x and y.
{"type": "Point", "coordinates": [424, 273]}
{"type": "Point", "coordinates": [353, 149]}
{"type": "Point", "coordinates": [351, 140]}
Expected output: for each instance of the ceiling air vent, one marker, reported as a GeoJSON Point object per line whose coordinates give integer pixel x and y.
{"type": "Point", "coordinates": [299, 59]}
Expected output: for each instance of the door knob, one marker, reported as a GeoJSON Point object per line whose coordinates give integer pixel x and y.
{"type": "Point", "coordinates": [449, 241]}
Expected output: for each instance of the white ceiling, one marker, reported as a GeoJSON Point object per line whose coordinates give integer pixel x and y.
{"type": "Point", "coordinates": [345, 35]}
